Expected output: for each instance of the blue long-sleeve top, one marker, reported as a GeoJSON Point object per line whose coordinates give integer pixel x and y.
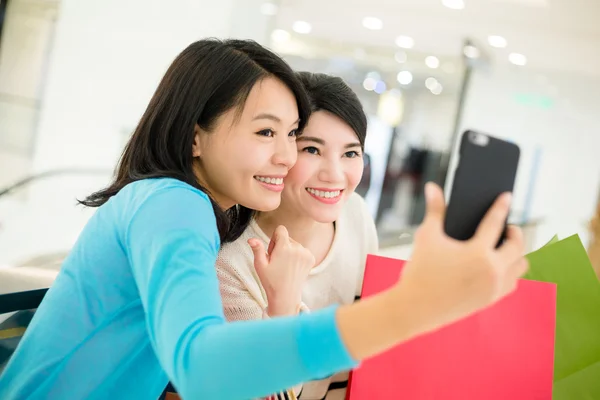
{"type": "Point", "coordinates": [137, 304]}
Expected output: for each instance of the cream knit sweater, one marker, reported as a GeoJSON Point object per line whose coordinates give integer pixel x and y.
{"type": "Point", "coordinates": [336, 280]}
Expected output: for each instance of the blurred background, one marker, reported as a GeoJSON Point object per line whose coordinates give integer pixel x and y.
{"type": "Point", "coordinates": [76, 75]}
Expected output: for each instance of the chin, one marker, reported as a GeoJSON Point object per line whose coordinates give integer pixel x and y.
{"type": "Point", "coordinates": [264, 204]}
{"type": "Point", "coordinates": [326, 217]}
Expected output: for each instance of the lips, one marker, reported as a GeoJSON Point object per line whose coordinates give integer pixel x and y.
{"type": "Point", "coordinates": [326, 196]}
{"type": "Point", "coordinates": [269, 180]}
{"type": "Point", "coordinates": [272, 183]}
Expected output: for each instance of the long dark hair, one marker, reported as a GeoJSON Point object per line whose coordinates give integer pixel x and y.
{"type": "Point", "coordinates": [330, 93]}
{"type": "Point", "coordinates": [207, 79]}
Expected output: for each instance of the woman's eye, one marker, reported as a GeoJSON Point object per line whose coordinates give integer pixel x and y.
{"type": "Point", "coordinates": [352, 154]}
{"type": "Point", "coordinates": [311, 150]}
{"type": "Point", "coordinates": [293, 133]}
{"type": "Point", "coordinates": [266, 132]}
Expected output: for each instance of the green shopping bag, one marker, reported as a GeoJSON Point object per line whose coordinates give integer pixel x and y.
{"type": "Point", "coordinates": [577, 349]}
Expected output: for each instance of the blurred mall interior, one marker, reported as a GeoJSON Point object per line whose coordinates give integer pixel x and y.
{"type": "Point", "coordinates": [75, 76]}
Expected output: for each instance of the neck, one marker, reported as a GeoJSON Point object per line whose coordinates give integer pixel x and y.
{"type": "Point", "coordinates": [223, 203]}
{"type": "Point", "coordinates": [302, 229]}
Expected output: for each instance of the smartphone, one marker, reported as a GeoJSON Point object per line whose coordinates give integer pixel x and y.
{"type": "Point", "coordinates": [487, 167]}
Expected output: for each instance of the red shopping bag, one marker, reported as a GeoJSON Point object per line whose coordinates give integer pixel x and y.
{"type": "Point", "coordinates": [503, 352]}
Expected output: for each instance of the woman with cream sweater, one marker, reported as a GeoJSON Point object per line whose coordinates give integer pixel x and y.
{"type": "Point", "coordinates": [322, 212]}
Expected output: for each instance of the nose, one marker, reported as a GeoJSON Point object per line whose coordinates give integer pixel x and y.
{"type": "Point", "coordinates": [332, 171]}
{"type": "Point", "coordinates": [286, 152]}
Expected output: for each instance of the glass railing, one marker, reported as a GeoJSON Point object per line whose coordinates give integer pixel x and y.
{"type": "Point", "coordinates": [40, 216]}
{"type": "Point", "coordinates": [39, 222]}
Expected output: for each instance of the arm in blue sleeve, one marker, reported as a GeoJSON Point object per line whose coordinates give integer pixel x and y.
{"type": "Point", "coordinates": [172, 242]}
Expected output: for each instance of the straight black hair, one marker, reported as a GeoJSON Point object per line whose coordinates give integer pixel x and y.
{"type": "Point", "coordinates": [331, 94]}
{"type": "Point", "coordinates": [209, 78]}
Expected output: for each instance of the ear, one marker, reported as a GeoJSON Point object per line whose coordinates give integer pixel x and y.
{"type": "Point", "coordinates": [196, 147]}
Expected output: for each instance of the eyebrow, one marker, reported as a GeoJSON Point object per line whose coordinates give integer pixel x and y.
{"type": "Point", "coordinates": [322, 142]}
{"type": "Point", "coordinates": [271, 117]}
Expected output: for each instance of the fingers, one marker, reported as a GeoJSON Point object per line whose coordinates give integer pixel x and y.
{"type": "Point", "coordinates": [491, 226]}
{"type": "Point", "coordinates": [514, 272]}
{"type": "Point", "coordinates": [280, 235]}
{"type": "Point", "coordinates": [436, 206]}
{"type": "Point", "coordinates": [260, 256]}
{"type": "Point", "coordinates": [279, 239]}
{"type": "Point", "coordinates": [520, 268]}
{"type": "Point", "coordinates": [271, 245]}
{"type": "Point", "coordinates": [513, 247]}
{"type": "Point", "coordinates": [512, 254]}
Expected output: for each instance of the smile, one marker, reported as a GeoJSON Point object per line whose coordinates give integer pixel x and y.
{"type": "Point", "coordinates": [272, 183]}
{"type": "Point", "coordinates": [325, 196]}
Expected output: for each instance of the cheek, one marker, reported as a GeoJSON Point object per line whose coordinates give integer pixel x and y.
{"type": "Point", "coordinates": [253, 160]}
{"type": "Point", "coordinates": [301, 173]}
{"type": "Point", "coordinates": [354, 174]}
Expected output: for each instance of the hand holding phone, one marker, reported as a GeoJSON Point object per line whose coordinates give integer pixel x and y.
{"type": "Point", "coordinates": [486, 169]}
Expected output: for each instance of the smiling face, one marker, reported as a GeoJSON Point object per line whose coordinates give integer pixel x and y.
{"type": "Point", "coordinates": [328, 169]}
{"type": "Point", "coordinates": [244, 159]}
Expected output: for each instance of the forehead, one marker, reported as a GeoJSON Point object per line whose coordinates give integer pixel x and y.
{"type": "Point", "coordinates": [270, 95]}
{"type": "Point", "coordinates": [330, 128]}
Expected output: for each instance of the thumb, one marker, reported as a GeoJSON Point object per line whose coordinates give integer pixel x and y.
{"type": "Point", "coordinates": [280, 238]}
{"type": "Point", "coordinates": [281, 234]}
{"type": "Point", "coordinates": [436, 206]}
{"type": "Point", "coordinates": [260, 256]}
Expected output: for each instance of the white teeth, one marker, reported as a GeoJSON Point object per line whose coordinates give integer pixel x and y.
{"type": "Point", "coordinates": [272, 181]}
{"type": "Point", "coordinates": [326, 195]}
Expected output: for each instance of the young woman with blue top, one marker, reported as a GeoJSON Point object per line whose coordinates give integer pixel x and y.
{"type": "Point", "coordinates": [137, 303]}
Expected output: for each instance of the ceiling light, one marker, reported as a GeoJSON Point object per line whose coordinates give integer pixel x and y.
{"type": "Point", "coordinates": [269, 9]}
{"type": "Point", "coordinates": [280, 36]}
{"type": "Point", "coordinates": [380, 87]}
{"type": "Point", "coordinates": [404, 77]}
{"type": "Point", "coordinates": [302, 27]}
{"type": "Point", "coordinates": [369, 84]}
{"type": "Point", "coordinates": [431, 82]}
{"type": "Point", "coordinates": [400, 57]}
{"type": "Point", "coordinates": [471, 51]}
{"type": "Point", "coordinates": [432, 62]}
{"type": "Point", "coordinates": [406, 42]}
{"type": "Point", "coordinates": [390, 107]}
{"type": "Point", "coordinates": [517, 59]}
{"type": "Point", "coordinates": [437, 89]}
{"type": "Point", "coordinates": [497, 41]}
{"type": "Point", "coordinates": [372, 23]}
{"type": "Point", "coordinates": [454, 4]}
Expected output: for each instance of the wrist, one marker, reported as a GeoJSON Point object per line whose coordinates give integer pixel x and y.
{"type": "Point", "coordinates": [282, 306]}
{"type": "Point", "coordinates": [284, 311]}
{"type": "Point", "coordinates": [405, 312]}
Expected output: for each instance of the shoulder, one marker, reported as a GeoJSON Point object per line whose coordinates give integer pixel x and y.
{"type": "Point", "coordinates": [164, 205]}
{"type": "Point", "coordinates": [141, 191]}
{"type": "Point", "coordinates": [165, 195]}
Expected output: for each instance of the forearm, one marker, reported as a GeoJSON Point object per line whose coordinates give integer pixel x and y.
{"type": "Point", "coordinates": [372, 325]}
{"type": "Point", "coordinates": [236, 360]}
